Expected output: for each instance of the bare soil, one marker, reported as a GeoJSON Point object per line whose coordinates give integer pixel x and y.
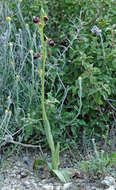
{"type": "Point", "coordinates": [16, 174]}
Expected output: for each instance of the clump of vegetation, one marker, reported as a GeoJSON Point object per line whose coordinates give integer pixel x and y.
{"type": "Point", "coordinates": [97, 163]}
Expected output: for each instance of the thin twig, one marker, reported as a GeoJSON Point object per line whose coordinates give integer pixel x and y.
{"type": "Point", "coordinates": [25, 145]}
{"type": "Point", "coordinates": [9, 139]}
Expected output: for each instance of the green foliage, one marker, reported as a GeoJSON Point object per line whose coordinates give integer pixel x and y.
{"type": "Point", "coordinates": [97, 165]}
{"type": "Point", "coordinates": [82, 55]}
{"type": "Point", "coordinates": [77, 52]}
{"type": "Point", "coordinates": [33, 126]}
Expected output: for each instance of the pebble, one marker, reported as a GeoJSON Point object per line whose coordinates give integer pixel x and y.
{"type": "Point", "coordinates": [108, 181]}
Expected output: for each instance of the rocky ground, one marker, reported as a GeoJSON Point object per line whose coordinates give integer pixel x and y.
{"type": "Point", "coordinates": [18, 174]}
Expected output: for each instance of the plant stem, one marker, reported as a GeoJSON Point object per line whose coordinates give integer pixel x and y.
{"type": "Point", "coordinates": [54, 151]}
{"type": "Point", "coordinates": [45, 119]}
{"type": "Point", "coordinates": [43, 72]}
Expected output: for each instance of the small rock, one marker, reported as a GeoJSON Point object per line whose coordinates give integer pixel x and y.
{"type": "Point", "coordinates": [18, 176]}
{"type": "Point", "coordinates": [93, 188]}
{"type": "Point", "coordinates": [66, 186]}
{"type": "Point", "coordinates": [15, 168]}
{"type": "Point", "coordinates": [113, 187]}
{"type": "Point", "coordinates": [47, 187]}
{"type": "Point", "coordinates": [19, 163]}
{"type": "Point", "coordinates": [108, 181]}
{"type": "Point", "coordinates": [24, 174]}
{"type": "Point", "coordinates": [26, 183]}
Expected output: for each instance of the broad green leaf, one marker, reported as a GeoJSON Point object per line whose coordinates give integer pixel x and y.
{"type": "Point", "coordinates": [62, 175]}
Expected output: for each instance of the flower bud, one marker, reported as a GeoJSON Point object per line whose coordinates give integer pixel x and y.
{"type": "Point", "coordinates": [31, 51]}
{"type": "Point", "coordinates": [12, 63]}
{"type": "Point", "coordinates": [17, 76]}
{"type": "Point", "coordinates": [8, 19]}
{"type": "Point", "coordinates": [80, 78]}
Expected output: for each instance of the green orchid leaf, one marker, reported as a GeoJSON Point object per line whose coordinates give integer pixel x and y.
{"type": "Point", "coordinates": [62, 175]}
